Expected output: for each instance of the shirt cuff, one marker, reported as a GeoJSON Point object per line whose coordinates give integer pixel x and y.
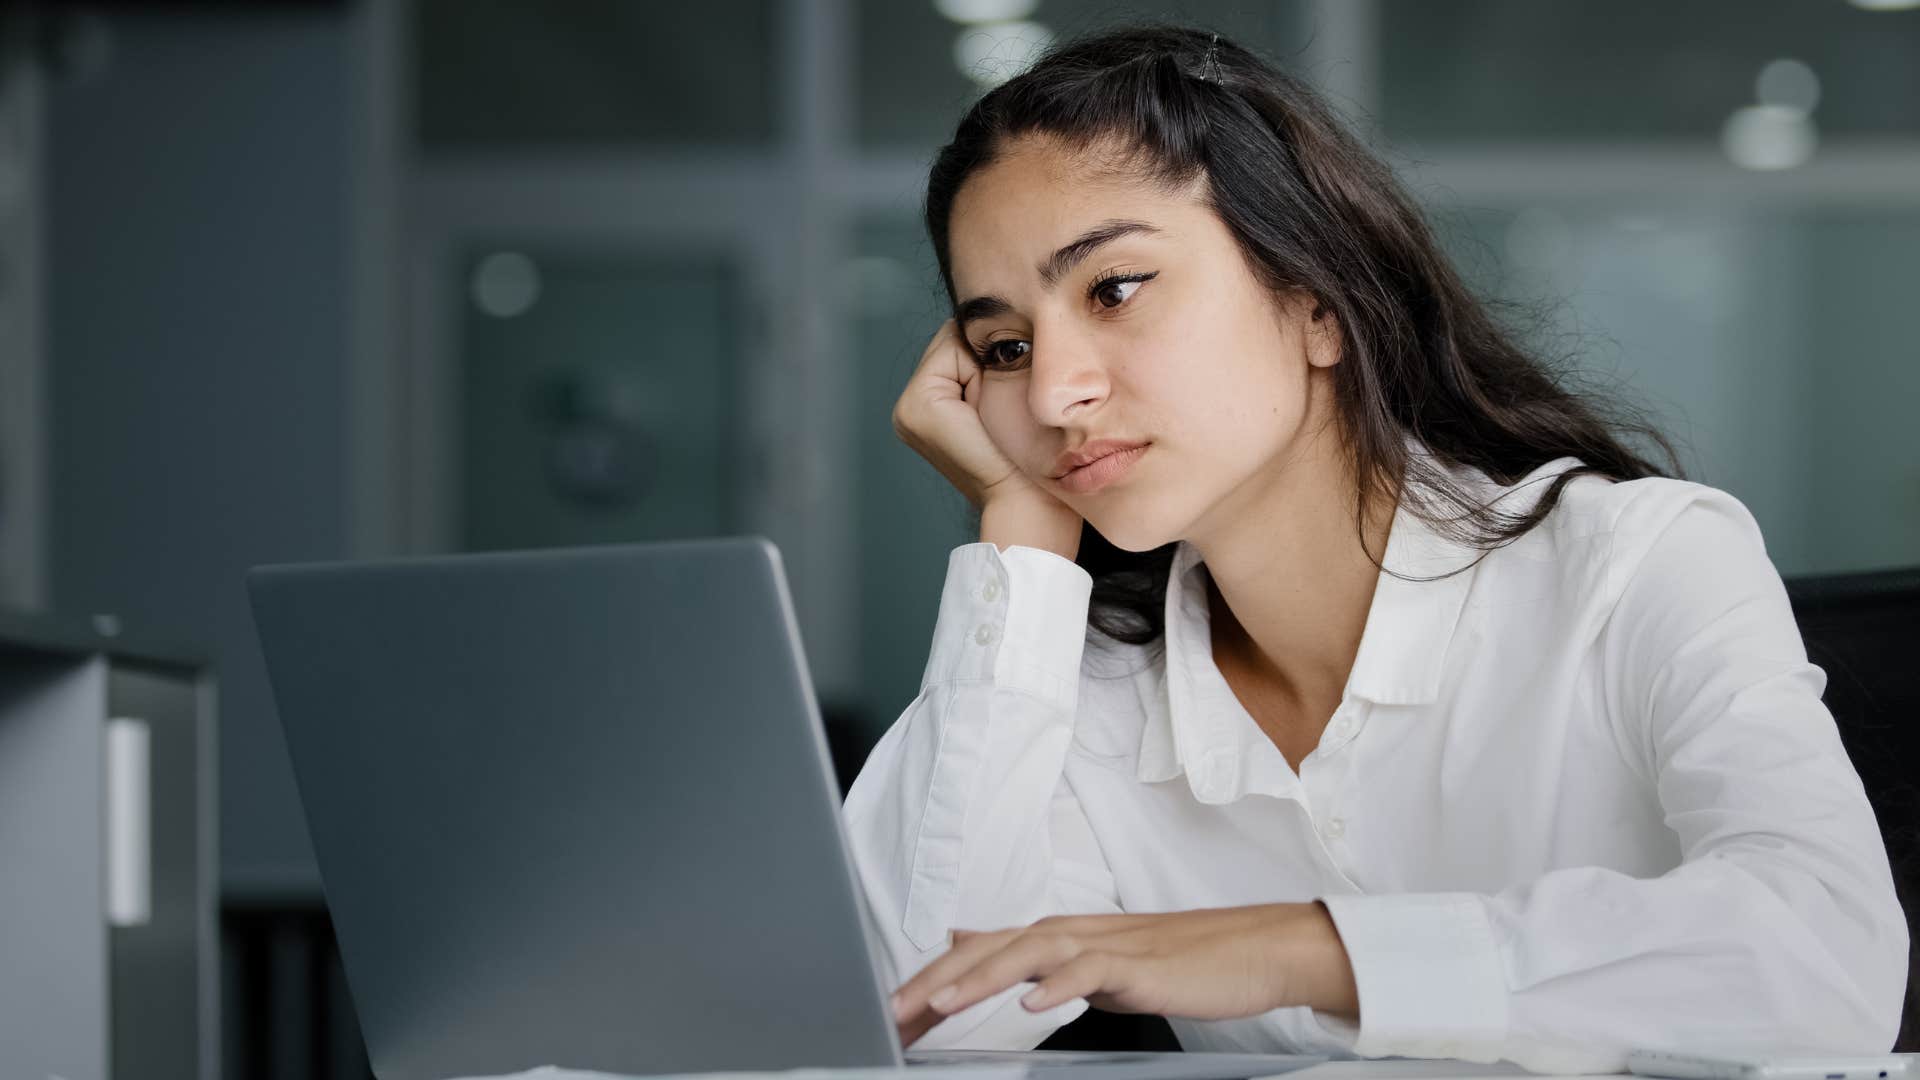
{"type": "Point", "coordinates": [1430, 975]}
{"type": "Point", "coordinates": [1333, 1033]}
{"type": "Point", "coordinates": [1016, 617]}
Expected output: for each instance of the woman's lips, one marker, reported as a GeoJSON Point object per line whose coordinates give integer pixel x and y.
{"type": "Point", "coordinates": [1095, 475]}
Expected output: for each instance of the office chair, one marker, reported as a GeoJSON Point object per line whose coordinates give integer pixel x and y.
{"type": "Point", "coordinates": [1864, 631]}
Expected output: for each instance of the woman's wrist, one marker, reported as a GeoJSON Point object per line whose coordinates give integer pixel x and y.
{"type": "Point", "coordinates": [1031, 522]}
{"type": "Point", "coordinates": [1313, 967]}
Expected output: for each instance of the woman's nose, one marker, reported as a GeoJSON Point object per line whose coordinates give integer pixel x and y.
{"type": "Point", "coordinates": [1068, 379]}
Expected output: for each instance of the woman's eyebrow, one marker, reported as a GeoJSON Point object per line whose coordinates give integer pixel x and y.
{"type": "Point", "coordinates": [1069, 256]}
{"type": "Point", "coordinates": [1053, 267]}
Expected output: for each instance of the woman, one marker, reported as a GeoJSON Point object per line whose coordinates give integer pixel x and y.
{"type": "Point", "coordinates": [1327, 675]}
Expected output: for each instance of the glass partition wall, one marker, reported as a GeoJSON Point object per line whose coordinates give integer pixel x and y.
{"type": "Point", "coordinates": [668, 274]}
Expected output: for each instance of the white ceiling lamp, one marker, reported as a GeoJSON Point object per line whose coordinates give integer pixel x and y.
{"type": "Point", "coordinates": [995, 52]}
{"type": "Point", "coordinates": [985, 11]}
{"type": "Point", "coordinates": [1769, 137]}
{"type": "Point", "coordinates": [1778, 132]}
{"type": "Point", "coordinates": [1885, 5]}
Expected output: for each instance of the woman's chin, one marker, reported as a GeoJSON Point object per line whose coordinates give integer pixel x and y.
{"type": "Point", "coordinates": [1134, 535]}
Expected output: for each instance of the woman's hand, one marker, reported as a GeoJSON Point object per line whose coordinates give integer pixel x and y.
{"type": "Point", "coordinates": [1213, 964]}
{"type": "Point", "coordinates": [938, 416]}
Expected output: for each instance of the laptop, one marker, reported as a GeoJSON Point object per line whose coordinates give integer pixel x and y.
{"type": "Point", "coordinates": [574, 807]}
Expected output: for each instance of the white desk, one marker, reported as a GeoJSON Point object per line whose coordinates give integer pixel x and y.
{"type": "Point", "coordinates": [1331, 1070]}
{"type": "Point", "coordinates": [1395, 1069]}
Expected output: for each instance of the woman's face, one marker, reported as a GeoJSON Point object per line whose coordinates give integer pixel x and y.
{"type": "Point", "coordinates": [1114, 310]}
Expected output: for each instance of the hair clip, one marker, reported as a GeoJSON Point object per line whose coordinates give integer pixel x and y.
{"type": "Point", "coordinates": [1210, 66]}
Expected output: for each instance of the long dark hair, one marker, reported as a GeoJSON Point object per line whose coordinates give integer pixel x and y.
{"type": "Point", "coordinates": [1311, 209]}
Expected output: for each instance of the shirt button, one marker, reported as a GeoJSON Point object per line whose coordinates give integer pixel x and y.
{"type": "Point", "coordinates": [1335, 828]}
{"type": "Point", "coordinates": [987, 634]}
{"type": "Point", "coordinates": [990, 592]}
{"type": "Point", "coordinates": [1342, 725]}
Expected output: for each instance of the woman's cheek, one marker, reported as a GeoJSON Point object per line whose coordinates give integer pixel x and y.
{"type": "Point", "coordinates": [1015, 440]}
{"type": "Point", "coordinates": [993, 416]}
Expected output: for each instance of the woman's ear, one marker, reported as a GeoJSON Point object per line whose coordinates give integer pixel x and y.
{"type": "Point", "coordinates": [1322, 330]}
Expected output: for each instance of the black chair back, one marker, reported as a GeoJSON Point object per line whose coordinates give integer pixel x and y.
{"type": "Point", "coordinates": [1864, 631]}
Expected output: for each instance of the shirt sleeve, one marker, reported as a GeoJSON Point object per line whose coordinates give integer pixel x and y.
{"type": "Point", "coordinates": [1779, 933]}
{"type": "Point", "coordinates": [961, 816]}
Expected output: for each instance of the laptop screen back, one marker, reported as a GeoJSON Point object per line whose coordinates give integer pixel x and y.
{"type": "Point", "coordinates": [573, 807]}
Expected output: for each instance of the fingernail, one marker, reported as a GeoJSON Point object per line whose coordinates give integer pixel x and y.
{"type": "Point", "coordinates": [943, 997]}
{"type": "Point", "coordinates": [1034, 997]}
{"type": "Point", "coordinates": [899, 1008]}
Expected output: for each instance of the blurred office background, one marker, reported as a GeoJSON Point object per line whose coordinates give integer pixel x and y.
{"type": "Point", "coordinates": [315, 280]}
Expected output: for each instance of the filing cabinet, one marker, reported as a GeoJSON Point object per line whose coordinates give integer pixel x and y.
{"type": "Point", "coordinates": [108, 855]}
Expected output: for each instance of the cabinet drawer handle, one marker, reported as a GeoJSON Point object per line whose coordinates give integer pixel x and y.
{"type": "Point", "coordinates": [129, 822]}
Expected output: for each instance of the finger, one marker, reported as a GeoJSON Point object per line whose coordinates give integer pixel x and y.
{"type": "Point", "coordinates": [1092, 972]}
{"type": "Point", "coordinates": [947, 351]}
{"type": "Point", "coordinates": [939, 359]}
{"type": "Point", "coordinates": [910, 1032]}
{"type": "Point", "coordinates": [1028, 956]}
{"type": "Point", "coordinates": [958, 360]}
{"type": "Point", "coordinates": [911, 999]}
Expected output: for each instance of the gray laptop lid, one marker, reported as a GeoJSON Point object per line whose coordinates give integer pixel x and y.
{"type": "Point", "coordinates": [573, 807]}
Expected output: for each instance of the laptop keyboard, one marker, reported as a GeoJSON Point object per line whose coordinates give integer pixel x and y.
{"type": "Point", "coordinates": [1034, 1058]}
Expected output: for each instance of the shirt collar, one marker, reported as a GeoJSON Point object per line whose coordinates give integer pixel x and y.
{"type": "Point", "coordinates": [1200, 728]}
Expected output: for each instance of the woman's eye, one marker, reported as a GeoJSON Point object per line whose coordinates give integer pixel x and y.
{"type": "Point", "coordinates": [1114, 293]}
{"type": "Point", "coordinates": [1001, 354]}
{"type": "Point", "coordinates": [1118, 289]}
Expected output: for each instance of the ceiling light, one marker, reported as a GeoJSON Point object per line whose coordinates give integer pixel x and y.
{"type": "Point", "coordinates": [1768, 137]}
{"type": "Point", "coordinates": [984, 11]}
{"type": "Point", "coordinates": [993, 53]}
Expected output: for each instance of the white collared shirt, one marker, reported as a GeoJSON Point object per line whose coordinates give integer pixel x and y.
{"type": "Point", "coordinates": [1580, 798]}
